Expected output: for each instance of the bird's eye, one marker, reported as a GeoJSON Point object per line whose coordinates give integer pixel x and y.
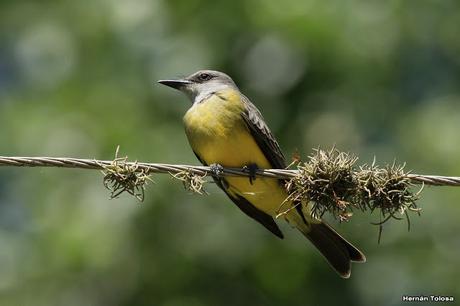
{"type": "Point", "coordinates": [204, 76]}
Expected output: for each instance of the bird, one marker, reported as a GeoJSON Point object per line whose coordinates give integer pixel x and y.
{"type": "Point", "coordinates": [225, 129]}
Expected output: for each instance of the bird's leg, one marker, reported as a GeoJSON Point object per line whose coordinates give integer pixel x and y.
{"type": "Point", "coordinates": [216, 170]}
{"type": "Point", "coordinates": [252, 170]}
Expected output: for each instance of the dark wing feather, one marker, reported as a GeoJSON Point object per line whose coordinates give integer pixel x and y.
{"type": "Point", "coordinates": [253, 212]}
{"type": "Point", "coordinates": [246, 207]}
{"type": "Point", "coordinates": [262, 134]}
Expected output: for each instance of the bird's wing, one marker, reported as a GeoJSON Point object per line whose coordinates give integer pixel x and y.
{"type": "Point", "coordinates": [266, 141]}
{"type": "Point", "coordinates": [262, 134]}
{"type": "Point", "coordinates": [245, 206]}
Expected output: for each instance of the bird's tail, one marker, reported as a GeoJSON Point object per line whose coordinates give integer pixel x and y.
{"type": "Point", "coordinates": [338, 252]}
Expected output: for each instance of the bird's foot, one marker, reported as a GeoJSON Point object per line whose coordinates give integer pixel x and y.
{"type": "Point", "coordinates": [216, 170]}
{"type": "Point", "coordinates": [252, 170]}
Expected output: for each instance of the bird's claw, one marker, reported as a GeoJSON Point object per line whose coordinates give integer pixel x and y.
{"type": "Point", "coordinates": [216, 170]}
{"type": "Point", "coordinates": [252, 170]}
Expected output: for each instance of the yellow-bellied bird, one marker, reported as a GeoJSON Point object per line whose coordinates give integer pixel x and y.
{"type": "Point", "coordinates": [225, 129]}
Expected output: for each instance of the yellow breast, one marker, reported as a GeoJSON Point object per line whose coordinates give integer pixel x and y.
{"type": "Point", "coordinates": [218, 134]}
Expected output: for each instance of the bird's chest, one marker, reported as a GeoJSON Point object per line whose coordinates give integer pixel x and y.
{"type": "Point", "coordinates": [218, 134]}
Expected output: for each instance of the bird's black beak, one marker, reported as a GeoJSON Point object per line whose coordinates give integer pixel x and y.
{"type": "Point", "coordinates": [176, 84]}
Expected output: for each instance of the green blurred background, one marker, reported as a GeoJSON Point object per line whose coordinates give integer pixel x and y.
{"type": "Point", "coordinates": [77, 78]}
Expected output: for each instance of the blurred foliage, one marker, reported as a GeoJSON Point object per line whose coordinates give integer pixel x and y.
{"type": "Point", "coordinates": [77, 78]}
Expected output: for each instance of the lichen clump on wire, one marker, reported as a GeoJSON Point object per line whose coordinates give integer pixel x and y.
{"type": "Point", "coordinates": [332, 183]}
{"type": "Point", "coordinates": [192, 182]}
{"type": "Point", "coordinates": [121, 176]}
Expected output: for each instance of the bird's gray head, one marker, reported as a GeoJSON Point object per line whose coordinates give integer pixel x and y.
{"type": "Point", "coordinates": [201, 84]}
